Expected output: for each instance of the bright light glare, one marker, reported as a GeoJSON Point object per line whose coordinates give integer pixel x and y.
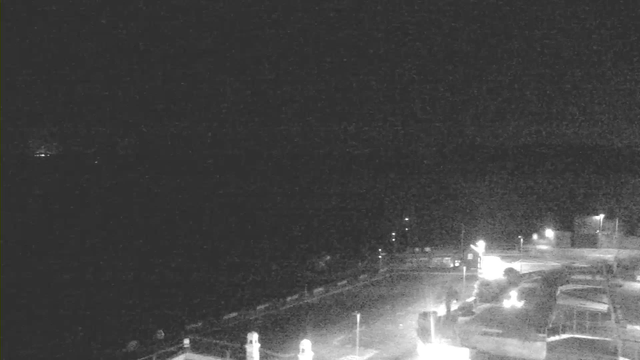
{"type": "Point", "coordinates": [442, 351]}
{"type": "Point", "coordinates": [479, 247]}
{"type": "Point", "coordinates": [601, 216]}
{"type": "Point", "coordinates": [512, 301]}
{"type": "Point", "coordinates": [406, 219]}
{"type": "Point", "coordinates": [549, 233]}
{"type": "Point", "coordinates": [493, 268]}
{"type": "Point", "coordinates": [535, 236]}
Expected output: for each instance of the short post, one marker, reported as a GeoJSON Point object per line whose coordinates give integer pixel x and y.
{"type": "Point", "coordinates": [432, 319]}
{"type": "Point", "coordinates": [588, 327]}
{"type": "Point", "coordinates": [252, 346]}
{"type": "Point", "coordinates": [464, 280]}
{"type": "Point", "coordinates": [186, 344]}
{"type": "Point", "coordinates": [305, 350]}
{"type": "Point", "coordinates": [357, 333]}
{"type": "Point", "coordinates": [575, 320]}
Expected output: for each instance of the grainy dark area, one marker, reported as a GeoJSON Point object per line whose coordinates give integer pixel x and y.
{"type": "Point", "coordinates": [184, 157]}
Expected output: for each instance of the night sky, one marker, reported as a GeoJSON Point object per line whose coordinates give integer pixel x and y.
{"type": "Point", "coordinates": [199, 133]}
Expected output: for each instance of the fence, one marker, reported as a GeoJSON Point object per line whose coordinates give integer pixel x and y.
{"type": "Point", "coordinates": [574, 322]}
{"type": "Point", "coordinates": [222, 350]}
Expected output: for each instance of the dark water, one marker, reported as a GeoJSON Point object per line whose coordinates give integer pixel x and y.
{"type": "Point", "coordinates": [99, 256]}
{"type": "Point", "coordinates": [55, 310]}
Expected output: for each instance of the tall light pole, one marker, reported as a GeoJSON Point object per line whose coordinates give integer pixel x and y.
{"type": "Point", "coordinates": [521, 243]}
{"type": "Point", "coordinates": [601, 217]}
{"type": "Point", "coordinates": [462, 245]}
{"type": "Point", "coordinates": [480, 247]}
{"type": "Point", "coordinates": [406, 229]}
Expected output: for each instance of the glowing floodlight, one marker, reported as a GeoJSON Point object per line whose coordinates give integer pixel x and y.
{"type": "Point", "coordinates": [512, 301]}
{"type": "Point", "coordinates": [549, 233]}
{"type": "Point", "coordinates": [493, 268]}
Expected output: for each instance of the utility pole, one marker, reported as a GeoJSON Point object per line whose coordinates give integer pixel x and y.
{"type": "Point", "coordinates": [462, 245]}
{"type": "Point", "coordinates": [616, 241]}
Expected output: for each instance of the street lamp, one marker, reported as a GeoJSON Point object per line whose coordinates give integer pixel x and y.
{"type": "Point", "coordinates": [521, 243]}
{"type": "Point", "coordinates": [549, 233]}
{"type": "Point", "coordinates": [601, 217]}
{"type": "Point", "coordinates": [480, 248]}
{"type": "Point", "coordinates": [535, 236]}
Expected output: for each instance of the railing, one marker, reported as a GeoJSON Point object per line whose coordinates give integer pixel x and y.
{"type": "Point", "coordinates": [164, 354]}
{"type": "Point", "coordinates": [593, 324]}
{"type": "Point", "coordinates": [213, 348]}
{"type": "Point", "coordinates": [224, 350]}
{"type": "Point", "coordinates": [503, 248]}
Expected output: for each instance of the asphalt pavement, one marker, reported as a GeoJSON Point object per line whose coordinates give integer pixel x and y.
{"type": "Point", "coordinates": [388, 309]}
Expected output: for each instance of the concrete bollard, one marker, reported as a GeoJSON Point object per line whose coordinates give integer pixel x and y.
{"type": "Point", "coordinates": [253, 346]}
{"type": "Point", "coordinates": [186, 344]}
{"type": "Point", "coordinates": [305, 350]}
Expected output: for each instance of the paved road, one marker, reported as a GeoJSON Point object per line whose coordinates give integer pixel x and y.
{"type": "Point", "coordinates": [389, 308]}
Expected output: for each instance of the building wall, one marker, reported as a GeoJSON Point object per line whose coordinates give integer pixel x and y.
{"type": "Point", "coordinates": [563, 239]}
{"type": "Point", "coordinates": [586, 225]}
{"type": "Point", "coordinates": [585, 241]}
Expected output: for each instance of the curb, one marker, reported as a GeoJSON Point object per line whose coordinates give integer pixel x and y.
{"type": "Point", "coordinates": [298, 299]}
{"type": "Point", "coordinates": [230, 316]}
{"type": "Point", "coordinates": [288, 302]}
{"type": "Point", "coordinates": [262, 307]}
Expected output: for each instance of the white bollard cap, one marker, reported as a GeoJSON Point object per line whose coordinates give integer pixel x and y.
{"type": "Point", "coordinates": [305, 350]}
{"type": "Point", "coordinates": [186, 342]}
{"type": "Point", "coordinates": [252, 338]}
{"type": "Point", "coordinates": [305, 346]}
